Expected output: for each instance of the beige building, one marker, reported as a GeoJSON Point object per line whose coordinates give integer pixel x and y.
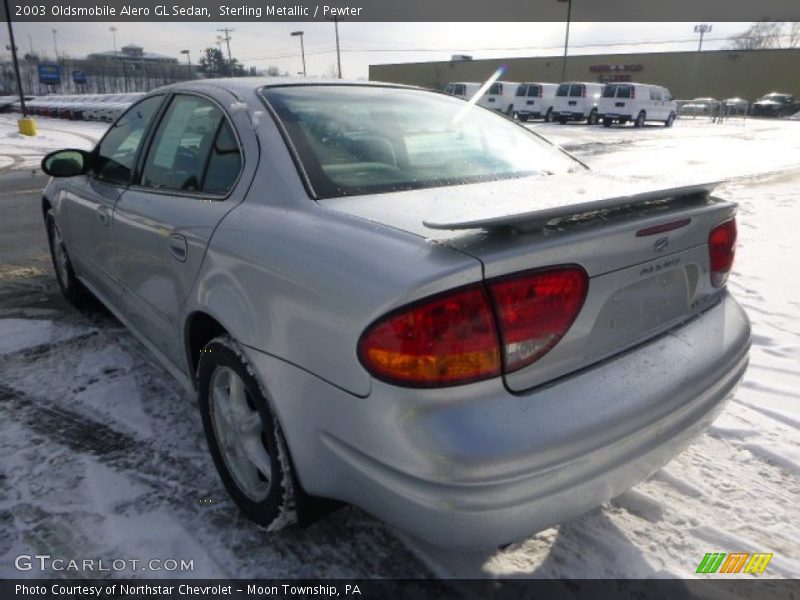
{"type": "Point", "coordinates": [716, 73]}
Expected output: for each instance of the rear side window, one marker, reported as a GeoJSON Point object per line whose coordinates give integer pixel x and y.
{"type": "Point", "coordinates": [193, 150]}
{"type": "Point", "coordinates": [522, 90]}
{"type": "Point", "coordinates": [116, 154]}
{"type": "Point", "coordinates": [609, 91]}
{"type": "Point", "coordinates": [495, 89]}
{"type": "Point", "coordinates": [575, 91]}
{"type": "Point", "coordinates": [563, 90]}
{"type": "Point", "coordinates": [624, 91]}
{"type": "Point", "coordinates": [534, 91]}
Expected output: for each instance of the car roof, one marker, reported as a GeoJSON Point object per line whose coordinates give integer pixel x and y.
{"type": "Point", "coordinates": [246, 85]}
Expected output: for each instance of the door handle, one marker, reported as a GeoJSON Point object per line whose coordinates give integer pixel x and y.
{"type": "Point", "coordinates": [177, 247]}
{"type": "Point", "coordinates": [102, 216]}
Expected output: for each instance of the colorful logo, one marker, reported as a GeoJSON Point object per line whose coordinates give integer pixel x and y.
{"type": "Point", "coordinates": [735, 562]}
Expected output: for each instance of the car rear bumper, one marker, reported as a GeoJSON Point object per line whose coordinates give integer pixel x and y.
{"type": "Point", "coordinates": [477, 466]}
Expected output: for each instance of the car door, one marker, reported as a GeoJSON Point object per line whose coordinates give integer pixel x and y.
{"type": "Point", "coordinates": [163, 223]}
{"type": "Point", "coordinates": [87, 203]}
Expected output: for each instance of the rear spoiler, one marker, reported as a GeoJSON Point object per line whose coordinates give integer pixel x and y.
{"type": "Point", "coordinates": [533, 218]}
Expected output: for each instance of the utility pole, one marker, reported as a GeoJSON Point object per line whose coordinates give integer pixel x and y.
{"type": "Point", "coordinates": [13, 49]}
{"type": "Point", "coordinates": [566, 40]}
{"type": "Point", "coordinates": [55, 43]}
{"type": "Point", "coordinates": [227, 39]}
{"type": "Point", "coordinates": [702, 29]}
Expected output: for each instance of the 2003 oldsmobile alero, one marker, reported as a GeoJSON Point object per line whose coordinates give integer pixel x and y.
{"type": "Point", "coordinates": [385, 296]}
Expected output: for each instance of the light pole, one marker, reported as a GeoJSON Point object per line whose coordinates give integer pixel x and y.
{"type": "Point", "coordinates": [55, 43]}
{"type": "Point", "coordinates": [302, 48]}
{"type": "Point", "coordinates": [188, 62]}
{"type": "Point", "coordinates": [13, 48]}
{"type": "Point", "coordinates": [338, 53]}
{"type": "Point", "coordinates": [702, 29]}
{"type": "Point", "coordinates": [227, 39]}
{"type": "Point", "coordinates": [566, 40]}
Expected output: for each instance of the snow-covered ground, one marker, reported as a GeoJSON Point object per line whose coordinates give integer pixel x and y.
{"type": "Point", "coordinates": [22, 152]}
{"type": "Point", "coordinates": [103, 455]}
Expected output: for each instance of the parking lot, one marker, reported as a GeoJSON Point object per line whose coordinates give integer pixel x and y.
{"type": "Point", "coordinates": [105, 455]}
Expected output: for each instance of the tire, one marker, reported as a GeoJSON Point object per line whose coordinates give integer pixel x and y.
{"type": "Point", "coordinates": [548, 117]}
{"type": "Point", "coordinates": [510, 111]}
{"type": "Point", "coordinates": [670, 120]}
{"type": "Point", "coordinates": [72, 289]}
{"type": "Point", "coordinates": [592, 118]}
{"type": "Point", "coordinates": [639, 120]}
{"type": "Point", "coordinates": [244, 437]}
{"type": "Point", "coordinates": [607, 122]}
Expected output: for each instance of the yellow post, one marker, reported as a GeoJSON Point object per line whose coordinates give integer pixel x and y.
{"type": "Point", "coordinates": [27, 126]}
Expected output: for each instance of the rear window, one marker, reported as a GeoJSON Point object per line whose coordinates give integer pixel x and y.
{"type": "Point", "coordinates": [563, 90]}
{"type": "Point", "coordinates": [353, 140]}
{"type": "Point", "coordinates": [534, 91]}
{"type": "Point", "coordinates": [522, 90]}
{"type": "Point", "coordinates": [576, 91]}
{"type": "Point", "coordinates": [609, 91]}
{"type": "Point", "coordinates": [495, 89]}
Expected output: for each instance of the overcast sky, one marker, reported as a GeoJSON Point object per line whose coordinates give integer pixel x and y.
{"type": "Point", "coordinates": [362, 44]}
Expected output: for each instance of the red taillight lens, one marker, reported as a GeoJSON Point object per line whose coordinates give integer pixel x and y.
{"type": "Point", "coordinates": [447, 340]}
{"type": "Point", "coordinates": [721, 248]}
{"type": "Point", "coordinates": [535, 310]}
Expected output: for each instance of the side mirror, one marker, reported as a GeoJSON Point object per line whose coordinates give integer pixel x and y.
{"type": "Point", "coordinates": [66, 163]}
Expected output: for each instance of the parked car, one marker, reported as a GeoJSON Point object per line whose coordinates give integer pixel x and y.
{"type": "Point", "coordinates": [775, 105]}
{"type": "Point", "coordinates": [500, 97]}
{"type": "Point", "coordinates": [700, 107]}
{"type": "Point", "coordinates": [464, 89]}
{"type": "Point", "coordinates": [636, 102]}
{"type": "Point", "coordinates": [535, 101]}
{"type": "Point", "coordinates": [270, 242]}
{"type": "Point", "coordinates": [736, 107]}
{"type": "Point", "coordinates": [577, 101]}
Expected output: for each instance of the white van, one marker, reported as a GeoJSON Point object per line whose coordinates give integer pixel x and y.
{"type": "Point", "coordinates": [535, 101]}
{"type": "Point", "coordinates": [462, 89]}
{"type": "Point", "coordinates": [637, 102]}
{"type": "Point", "coordinates": [576, 101]}
{"type": "Point", "coordinates": [500, 96]}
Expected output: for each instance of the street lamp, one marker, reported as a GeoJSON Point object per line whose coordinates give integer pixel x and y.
{"type": "Point", "coordinates": [55, 43]}
{"type": "Point", "coordinates": [702, 29]}
{"type": "Point", "coordinates": [566, 40]}
{"type": "Point", "coordinates": [188, 62]}
{"type": "Point", "coordinates": [302, 49]}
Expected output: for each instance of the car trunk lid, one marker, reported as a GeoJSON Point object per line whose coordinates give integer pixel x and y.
{"type": "Point", "coordinates": [643, 246]}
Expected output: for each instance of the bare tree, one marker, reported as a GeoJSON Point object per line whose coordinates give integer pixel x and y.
{"type": "Point", "coordinates": [766, 35]}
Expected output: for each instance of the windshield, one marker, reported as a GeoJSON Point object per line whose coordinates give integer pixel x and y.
{"type": "Point", "coordinates": [354, 140]}
{"type": "Point", "coordinates": [775, 97]}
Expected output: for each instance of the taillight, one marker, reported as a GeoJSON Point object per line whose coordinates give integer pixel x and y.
{"type": "Point", "coordinates": [721, 249]}
{"type": "Point", "coordinates": [583, 91]}
{"type": "Point", "coordinates": [535, 310]}
{"type": "Point", "coordinates": [448, 340]}
{"type": "Point", "coordinates": [452, 338]}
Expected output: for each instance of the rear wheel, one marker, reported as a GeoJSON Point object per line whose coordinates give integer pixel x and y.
{"type": "Point", "coordinates": [548, 118]}
{"type": "Point", "coordinates": [670, 120]}
{"type": "Point", "coordinates": [73, 290]}
{"type": "Point", "coordinates": [244, 437]}
{"type": "Point", "coordinates": [639, 120]}
{"type": "Point", "coordinates": [592, 118]}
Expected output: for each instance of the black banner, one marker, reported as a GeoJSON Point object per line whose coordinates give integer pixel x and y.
{"type": "Point", "coordinates": [403, 11]}
{"type": "Point", "coordinates": [394, 589]}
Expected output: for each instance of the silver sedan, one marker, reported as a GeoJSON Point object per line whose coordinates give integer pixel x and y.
{"type": "Point", "coordinates": [389, 297]}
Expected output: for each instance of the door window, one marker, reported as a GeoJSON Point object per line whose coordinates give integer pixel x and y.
{"type": "Point", "coordinates": [624, 91]}
{"type": "Point", "coordinates": [116, 154]}
{"type": "Point", "coordinates": [576, 91]}
{"type": "Point", "coordinates": [193, 150]}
